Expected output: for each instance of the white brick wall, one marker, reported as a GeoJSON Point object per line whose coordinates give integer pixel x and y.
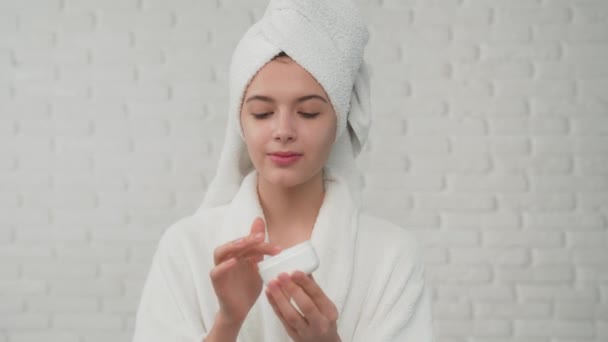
{"type": "Point", "coordinates": [494, 114]}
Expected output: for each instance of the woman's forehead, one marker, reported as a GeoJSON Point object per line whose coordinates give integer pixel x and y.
{"type": "Point", "coordinates": [277, 78]}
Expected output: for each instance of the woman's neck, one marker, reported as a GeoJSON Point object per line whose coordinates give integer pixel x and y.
{"type": "Point", "coordinates": [290, 213]}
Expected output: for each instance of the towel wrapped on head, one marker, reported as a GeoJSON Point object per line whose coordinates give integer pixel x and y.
{"type": "Point", "coordinates": [327, 38]}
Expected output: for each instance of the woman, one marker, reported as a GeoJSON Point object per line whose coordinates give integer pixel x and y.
{"type": "Point", "coordinates": [300, 115]}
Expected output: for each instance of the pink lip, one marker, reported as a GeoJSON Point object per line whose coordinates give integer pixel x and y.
{"type": "Point", "coordinates": [284, 160]}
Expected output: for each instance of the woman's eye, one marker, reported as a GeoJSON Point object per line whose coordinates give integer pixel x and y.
{"type": "Point", "coordinates": [260, 115]}
{"type": "Point", "coordinates": [309, 115]}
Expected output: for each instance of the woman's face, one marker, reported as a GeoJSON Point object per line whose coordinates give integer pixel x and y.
{"type": "Point", "coordinates": [285, 110]}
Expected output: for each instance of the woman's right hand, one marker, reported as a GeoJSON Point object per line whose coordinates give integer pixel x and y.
{"type": "Point", "coordinates": [235, 277]}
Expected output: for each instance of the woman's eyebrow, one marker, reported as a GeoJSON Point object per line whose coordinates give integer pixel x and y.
{"type": "Point", "coordinates": [271, 100]}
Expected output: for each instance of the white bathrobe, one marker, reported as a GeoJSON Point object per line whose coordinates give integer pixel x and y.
{"type": "Point", "coordinates": [370, 268]}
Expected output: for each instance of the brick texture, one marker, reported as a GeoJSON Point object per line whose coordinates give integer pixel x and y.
{"type": "Point", "coordinates": [490, 143]}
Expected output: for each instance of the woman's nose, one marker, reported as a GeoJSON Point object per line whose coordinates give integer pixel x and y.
{"type": "Point", "coordinates": [284, 127]}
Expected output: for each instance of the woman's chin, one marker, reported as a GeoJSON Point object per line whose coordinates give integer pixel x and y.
{"type": "Point", "coordinates": [285, 178]}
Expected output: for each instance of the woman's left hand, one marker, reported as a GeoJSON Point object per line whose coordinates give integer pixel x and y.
{"type": "Point", "coordinates": [318, 323]}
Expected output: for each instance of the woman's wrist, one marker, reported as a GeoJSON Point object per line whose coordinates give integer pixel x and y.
{"type": "Point", "coordinates": [225, 321]}
{"type": "Point", "coordinates": [223, 329]}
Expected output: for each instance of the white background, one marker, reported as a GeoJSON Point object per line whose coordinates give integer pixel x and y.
{"type": "Point", "coordinates": [489, 141]}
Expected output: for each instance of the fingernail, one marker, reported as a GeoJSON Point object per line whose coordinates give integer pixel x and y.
{"type": "Point", "coordinates": [258, 236]}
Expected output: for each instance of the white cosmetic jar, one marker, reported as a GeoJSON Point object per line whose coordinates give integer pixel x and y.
{"type": "Point", "coordinates": [301, 257]}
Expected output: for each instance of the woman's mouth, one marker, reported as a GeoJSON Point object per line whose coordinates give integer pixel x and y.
{"type": "Point", "coordinates": [284, 158]}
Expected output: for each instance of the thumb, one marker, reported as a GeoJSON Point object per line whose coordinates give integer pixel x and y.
{"type": "Point", "coordinates": [258, 226]}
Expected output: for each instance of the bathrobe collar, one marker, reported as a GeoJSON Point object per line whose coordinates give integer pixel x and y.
{"type": "Point", "coordinates": [333, 235]}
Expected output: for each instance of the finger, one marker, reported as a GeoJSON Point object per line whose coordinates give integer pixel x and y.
{"type": "Point", "coordinates": [222, 268]}
{"type": "Point", "coordinates": [256, 254]}
{"type": "Point", "coordinates": [223, 251]}
{"type": "Point", "coordinates": [289, 313]}
{"type": "Point", "coordinates": [257, 234]}
{"type": "Point", "coordinates": [308, 307]}
{"type": "Point", "coordinates": [310, 286]}
{"type": "Point", "coordinates": [258, 226]}
{"type": "Point", "coordinates": [292, 332]}
{"type": "Point", "coordinates": [259, 249]}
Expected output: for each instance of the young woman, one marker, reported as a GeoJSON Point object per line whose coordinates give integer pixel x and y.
{"type": "Point", "coordinates": [286, 175]}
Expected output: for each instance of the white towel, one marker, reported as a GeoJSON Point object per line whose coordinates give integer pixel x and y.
{"type": "Point", "coordinates": [325, 37]}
